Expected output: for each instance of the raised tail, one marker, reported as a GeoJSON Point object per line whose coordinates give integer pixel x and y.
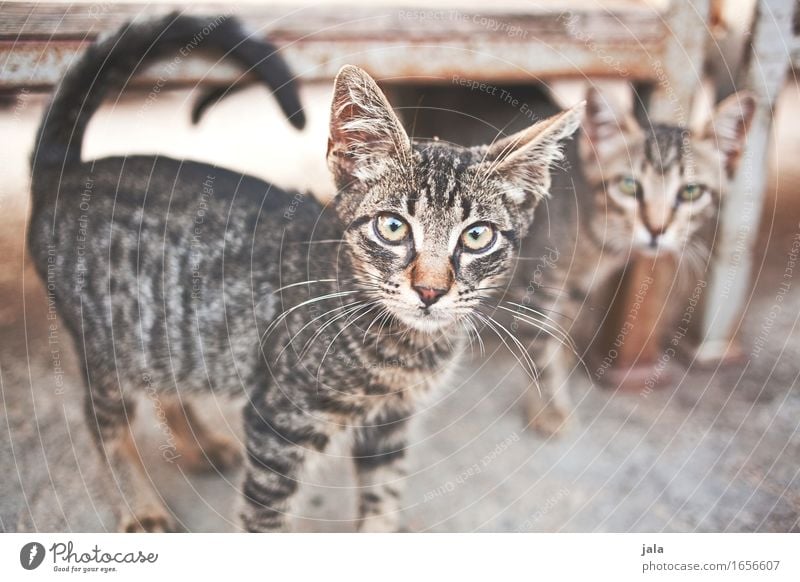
{"type": "Point", "coordinates": [110, 63]}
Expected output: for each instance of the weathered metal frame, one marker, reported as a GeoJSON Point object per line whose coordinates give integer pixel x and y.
{"type": "Point", "coordinates": [39, 40]}
{"type": "Point", "coordinates": [775, 48]}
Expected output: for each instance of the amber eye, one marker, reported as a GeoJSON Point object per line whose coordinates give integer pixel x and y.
{"type": "Point", "coordinates": [478, 237]}
{"type": "Point", "coordinates": [391, 228]}
{"type": "Point", "coordinates": [628, 186]}
{"type": "Point", "coordinates": [690, 192]}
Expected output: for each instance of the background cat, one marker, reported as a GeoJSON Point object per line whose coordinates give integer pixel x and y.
{"type": "Point", "coordinates": [629, 188]}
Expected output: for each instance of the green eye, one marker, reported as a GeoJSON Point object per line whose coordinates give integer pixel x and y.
{"type": "Point", "coordinates": [690, 192]}
{"type": "Point", "coordinates": [391, 228]}
{"type": "Point", "coordinates": [478, 237]}
{"type": "Point", "coordinates": [628, 186]}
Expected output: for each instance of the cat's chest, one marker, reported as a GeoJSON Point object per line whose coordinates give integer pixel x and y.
{"type": "Point", "coordinates": [406, 378]}
{"type": "Point", "coordinates": [414, 382]}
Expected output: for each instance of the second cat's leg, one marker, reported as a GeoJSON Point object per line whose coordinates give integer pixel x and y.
{"type": "Point", "coordinates": [379, 455]}
{"type": "Point", "coordinates": [549, 404]}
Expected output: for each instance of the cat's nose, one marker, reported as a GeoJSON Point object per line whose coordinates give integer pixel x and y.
{"type": "Point", "coordinates": [429, 295]}
{"type": "Point", "coordinates": [655, 235]}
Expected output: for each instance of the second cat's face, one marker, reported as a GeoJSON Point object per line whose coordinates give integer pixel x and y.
{"type": "Point", "coordinates": [431, 228]}
{"type": "Point", "coordinates": [656, 187]}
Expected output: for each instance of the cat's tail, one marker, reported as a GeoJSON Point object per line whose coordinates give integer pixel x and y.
{"type": "Point", "coordinates": [110, 63]}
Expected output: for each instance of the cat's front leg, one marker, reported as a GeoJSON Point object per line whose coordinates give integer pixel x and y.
{"type": "Point", "coordinates": [379, 453]}
{"type": "Point", "coordinates": [549, 405]}
{"type": "Point", "coordinates": [279, 438]}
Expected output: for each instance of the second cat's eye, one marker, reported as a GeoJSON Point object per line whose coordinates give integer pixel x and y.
{"type": "Point", "coordinates": [628, 186]}
{"type": "Point", "coordinates": [391, 228]}
{"type": "Point", "coordinates": [478, 237]}
{"type": "Point", "coordinates": [690, 192]}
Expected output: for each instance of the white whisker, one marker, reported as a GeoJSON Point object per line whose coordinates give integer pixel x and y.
{"type": "Point", "coordinates": [529, 366]}
{"type": "Point", "coordinates": [291, 340]}
{"type": "Point", "coordinates": [286, 313]}
{"type": "Point", "coordinates": [279, 289]}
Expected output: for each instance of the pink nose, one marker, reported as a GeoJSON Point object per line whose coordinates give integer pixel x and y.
{"type": "Point", "coordinates": [429, 295]}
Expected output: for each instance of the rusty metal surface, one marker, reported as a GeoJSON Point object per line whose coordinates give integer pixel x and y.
{"type": "Point", "coordinates": [77, 20]}
{"type": "Point", "coordinates": [38, 41]}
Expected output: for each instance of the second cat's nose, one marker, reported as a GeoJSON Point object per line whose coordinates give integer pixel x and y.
{"type": "Point", "coordinates": [429, 295]}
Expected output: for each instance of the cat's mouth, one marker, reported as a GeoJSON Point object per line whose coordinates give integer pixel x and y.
{"type": "Point", "coordinates": [649, 245]}
{"type": "Point", "coordinates": [650, 251]}
{"type": "Point", "coordinates": [426, 319]}
{"type": "Point", "coordinates": [659, 248]}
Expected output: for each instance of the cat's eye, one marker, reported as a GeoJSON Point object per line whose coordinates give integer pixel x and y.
{"type": "Point", "coordinates": [478, 237]}
{"type": "Point", "coordinates": [690, 192]}
{"type": "Point", "coordinates": [391, 228]}
{"type": "Point", "coordinates": [628, 186]}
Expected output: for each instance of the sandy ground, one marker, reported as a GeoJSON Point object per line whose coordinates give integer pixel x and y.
{"type": "Point", "coordinates": [719, 450]}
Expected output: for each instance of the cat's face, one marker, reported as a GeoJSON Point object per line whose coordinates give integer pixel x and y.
{"type": "Point", "coordinates": [656, 187]}
{"type": "Point", "coordinates": [432, 227]}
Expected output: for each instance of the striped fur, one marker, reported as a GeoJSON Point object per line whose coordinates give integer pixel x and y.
{"type": "Point", "coordinates": [178, 277]}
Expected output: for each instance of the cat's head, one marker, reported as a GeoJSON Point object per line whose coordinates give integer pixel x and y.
{"type": "Point", "coordinates": [432, 227]}
{"type": "Point", "coordinates": [657, 186]}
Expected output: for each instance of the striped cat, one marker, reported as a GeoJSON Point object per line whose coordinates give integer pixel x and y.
{"type": "Point", "coordinates": [628, 189]}
{"type": "Point", "coordinates": [179, 277]}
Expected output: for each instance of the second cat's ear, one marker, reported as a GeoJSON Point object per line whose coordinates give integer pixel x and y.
{"type": "Point", "coordinates": [605, 128]}
{"type": "Point", "coordinates": [524, 159]}
{"type": "Point", "coordinates": [364, 131]}
{"type": "Point", "coordinates": [728, 127]}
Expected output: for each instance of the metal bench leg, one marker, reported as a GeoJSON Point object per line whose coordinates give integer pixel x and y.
{"type": "Point", "coordinates": [730, 287]}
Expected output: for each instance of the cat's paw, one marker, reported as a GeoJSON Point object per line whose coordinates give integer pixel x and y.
{"type": "Point", "coordinates": [217, 454]}
{"type": "Point", "coordinates": [153, 521]}
{"type": "Point", "coordinates": [549, 421]}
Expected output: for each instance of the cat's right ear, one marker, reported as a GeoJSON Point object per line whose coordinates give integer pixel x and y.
{"type": "Point", "coordinates": [727, 130]}
{"type": "Point", "coordinates": [364, 131]}
{"type": "Point", "coordinates": [604, 127]}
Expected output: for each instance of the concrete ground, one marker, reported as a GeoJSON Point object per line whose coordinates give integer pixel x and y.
{"type": "Point", "coordinates": [719, 450]}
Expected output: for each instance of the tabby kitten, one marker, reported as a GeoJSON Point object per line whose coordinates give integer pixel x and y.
{"type": "Point", "coordinates": [630, 190]}
{"type": "Point", "coordinates": [327, 319]}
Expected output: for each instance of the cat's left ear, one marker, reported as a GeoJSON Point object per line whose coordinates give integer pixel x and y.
{"type": "Point", "coordinates": [364, 131]}
{"type": "Point", "coordinates": [727, 129]}
{"type": "Point", "coordinates": [524, 159]}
